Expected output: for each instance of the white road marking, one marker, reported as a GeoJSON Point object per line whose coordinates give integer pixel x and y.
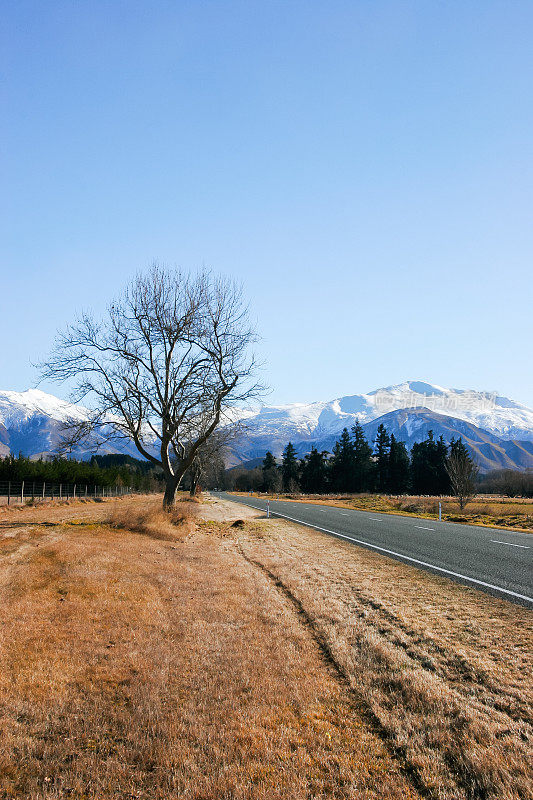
{"type": "Point", "coordinates": [523, 546]}
{"type": "Point", "coordinates": [377, 519]}
{"type": "Point", "coordinates": [401, 555]}
{"type": "Point", "coordinates": [344, 514]}
{"type": "Point", "coordinates": [421, 527]}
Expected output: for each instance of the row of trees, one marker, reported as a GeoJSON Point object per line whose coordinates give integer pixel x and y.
{"type": "Point", "coordinates": [511, 482]}
{"type": "Point", "coordinates": [432, 467]}
{"type": "Point", "coordinates": [111, 470]}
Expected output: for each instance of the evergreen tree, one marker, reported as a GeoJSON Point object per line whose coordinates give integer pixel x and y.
{"type": "Point", "coordinates": [313, 472]}
{"type": "Point", "coordinates": [428, 466]}
{"type": "Point", "coordinates": [362, 455]}
{"type": "Point", "coordinates": [442, 479]}
{"type": "Point", "coordinates": [382, 447]}
{"type": "Point", "coordinates": [289, 469]}
{"type": "Point", "coordinates": [271, 474]}
{"type": "Point", "coordinates": [342, 464]}
{"type": "Point", "coordinates": [398, 466]}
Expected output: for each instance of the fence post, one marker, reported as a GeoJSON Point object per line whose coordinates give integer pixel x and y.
{"type": "Point", "coordinates": [33, 492]}
{"type": "Point", "coordinates": [8, 492]}
{"type": "Point", "coordinates": [60, 491]}
{"type": "Point", "coordinates": [44, 489]}
{"type": "Point", "coordinates": [85, 490]}
{"type": "Point", "coordinates": [22, 492]}
{"type": "Point", "coordinates": [74, 492]}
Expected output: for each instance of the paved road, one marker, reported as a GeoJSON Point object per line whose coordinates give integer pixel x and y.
{"type": "Point", "coordinates": [496, 561]}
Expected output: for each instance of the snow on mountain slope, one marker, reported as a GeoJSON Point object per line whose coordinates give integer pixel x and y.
{"type": "Point", "coordinates": [17, 407]}
{"type": "Point", "coordinates": [30, 422]}
{"type": "Point", "coordinates": [498, 415]}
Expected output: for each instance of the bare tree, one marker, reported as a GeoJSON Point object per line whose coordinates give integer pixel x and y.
{"type": "Point", "coordinates": [162, 369]}
{"type": "Point", "coordinates": [209, 455]}
{"type": "Point", "coordinates": [463, 473]}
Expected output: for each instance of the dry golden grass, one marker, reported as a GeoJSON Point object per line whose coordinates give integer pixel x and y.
{"type": "Point", "coordinates": [443, 671]}
{"type": "Point", "coordinates": [499, 513]}
{"type": "Point", "coordinates": [148, 517]}
{"type": "Point", "coordinates": [136, 667]}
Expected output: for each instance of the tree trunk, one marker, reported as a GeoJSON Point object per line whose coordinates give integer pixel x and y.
{"type": "Point", "coordinates": [170, 492]}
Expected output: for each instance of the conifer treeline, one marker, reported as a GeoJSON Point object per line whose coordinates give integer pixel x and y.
{"type": "Point", "coordinates": [110, 470]}
{"type": "Point", "coordinates": [355, 466]}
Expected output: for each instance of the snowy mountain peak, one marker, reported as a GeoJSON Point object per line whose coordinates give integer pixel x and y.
{"type": "Point", "coordinates": [414, 386]}
{"type": "Point", "coordinates": [15, 407]}
{"type": "Point", "coordinates": [486, 410]}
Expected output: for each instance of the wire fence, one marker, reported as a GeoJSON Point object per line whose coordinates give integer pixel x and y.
{"type": "Point", "coordinates": [12, 492]}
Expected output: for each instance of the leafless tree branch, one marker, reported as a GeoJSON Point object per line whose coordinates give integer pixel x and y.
{"type": "Point", "coordinates": [163, 368]}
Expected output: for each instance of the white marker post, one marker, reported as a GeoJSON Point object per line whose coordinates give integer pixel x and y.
{"type": "Point", "coordinates": [268, 509]}
{"type": "Point", "coordinates": [440, 511]}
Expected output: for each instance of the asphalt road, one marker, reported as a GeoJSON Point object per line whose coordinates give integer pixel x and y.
{"type": "Point", "coordinates": [495, 561]}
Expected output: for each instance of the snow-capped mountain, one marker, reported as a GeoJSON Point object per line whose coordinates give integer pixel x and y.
{"type": "Point", "coordinates": [31, 423]}
{"type": "Point", "coordinates": [498, 431]}
{"type": "Point", "coordinates": [318, 424]}
{"type": "Point", "coordinates": [487, 410]}
{"type": "Point", "coordinates": [410, 425]}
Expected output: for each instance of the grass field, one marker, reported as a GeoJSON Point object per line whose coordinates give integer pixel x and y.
{"type": "Point", "coordinates": [495, 512]}
{"type": "Point", "coordinates": [203, 657]}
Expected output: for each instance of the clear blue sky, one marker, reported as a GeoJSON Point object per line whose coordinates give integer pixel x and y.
{"type": "Point", "coordinates": [364, 167]}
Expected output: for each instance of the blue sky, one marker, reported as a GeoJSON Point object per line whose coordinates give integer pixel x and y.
{"type": "Point", "coordinates": [364, 168]}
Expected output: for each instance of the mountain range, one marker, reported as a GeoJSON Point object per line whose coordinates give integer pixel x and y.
{"type": "Point", "coordinates": [498, 431]}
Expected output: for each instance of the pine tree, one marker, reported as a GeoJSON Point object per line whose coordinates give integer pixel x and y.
{"type": "Point", "coordinates": [382, 446]}
{"type": "Point", "coordinates": [271, 475]}
{"type": "Point", "coordinates": [362, 460]}
{"type": "Point", "coordinates": [289, 469]}
{"type": "Point", "coordinates": [398, 466]}
{"type": "Point", "coordinates": [428, 466]}
{"type": "Point", "coordinates": [342, 464]}
{"type": "Point", "coordinates": [313, 472]}
{"type": "Point", "coordinates": [442, 479]}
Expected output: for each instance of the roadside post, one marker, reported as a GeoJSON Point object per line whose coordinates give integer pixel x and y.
{"type": "Point", "coordinates": [440, 511]}
{"type": "Point", "coordinates": [268, 509]}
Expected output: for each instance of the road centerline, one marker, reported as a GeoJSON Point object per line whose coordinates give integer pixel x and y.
{"type": "Point", "coordinates": [511, 544]}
